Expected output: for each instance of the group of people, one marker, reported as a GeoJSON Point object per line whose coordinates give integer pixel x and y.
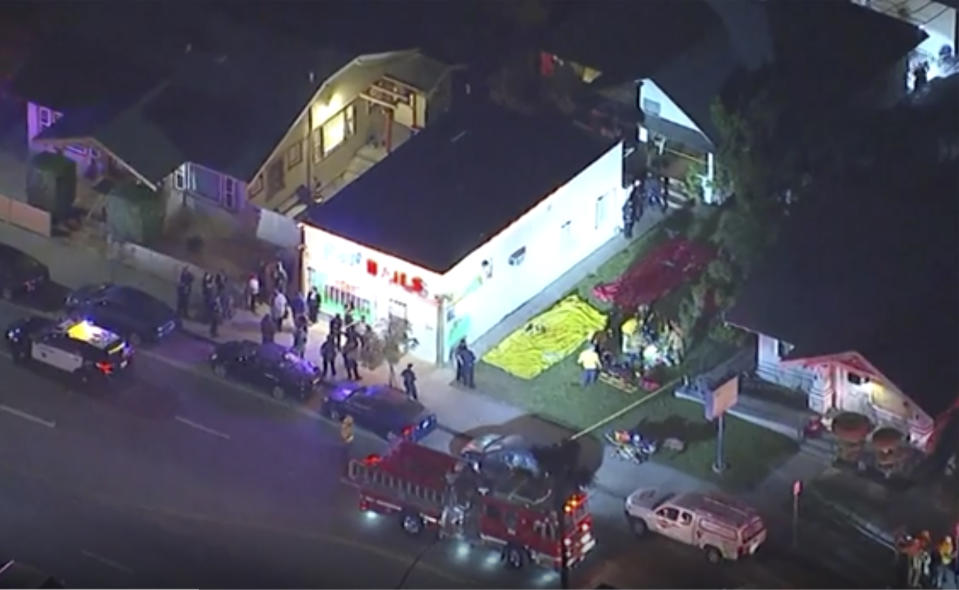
{"type": "Point", "coordinates": [645, 191]}
{"type": "Point", "coordinates": [465, 364]}
{"type": "Point", "coordinates": [217, 301]}
{"type": "Point", "coordinates": [927, 564]}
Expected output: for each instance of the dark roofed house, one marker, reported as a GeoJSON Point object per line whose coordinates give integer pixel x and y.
{"type": "Point", "coordinates": [859, 308]}
{"type": "Point", "coordinates": [465, 222]}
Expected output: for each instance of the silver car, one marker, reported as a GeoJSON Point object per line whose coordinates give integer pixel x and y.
{"type": "Point", "coordinates": [497, 454]}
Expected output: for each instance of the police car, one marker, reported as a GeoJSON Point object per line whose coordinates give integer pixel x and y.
{"type": "Point", "coordinates": [75, 346]}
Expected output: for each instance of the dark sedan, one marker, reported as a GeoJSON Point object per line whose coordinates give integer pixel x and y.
{"type": "Point", "coordinates": [20, 273]}
{"type": "Point", "coordinates": [128, 311]}
{"type": "Point", "coordinates": [500, 454]}
{"type": "Point", "coordinates": [266, 366]}
{"type": "Point", "coordinates": [383, 410]}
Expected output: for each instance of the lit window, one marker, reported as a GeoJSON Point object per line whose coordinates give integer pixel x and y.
{"type": "Point", "coordinates": [338, 128]}
{"type": "Point", "coordinates": [651, 107]}
{"type": "Point", "coordinates": [179, 178]}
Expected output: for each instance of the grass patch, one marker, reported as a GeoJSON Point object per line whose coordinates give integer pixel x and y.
{"type": "Point", "coordinates": [750, 451]}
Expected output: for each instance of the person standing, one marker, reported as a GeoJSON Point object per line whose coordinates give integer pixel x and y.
{"type": "Point", "coordinates": [945, 576]}
{"type": "Point", "coordinates": [182, 299]}
{"type": "Point", "coordinates": [268, 329]}
{"type": "Point", "coordinates": [458, 357]}
{"type": "Point", "coordinates": [328, 356]}
{"type": "Point", "coordinates": [629, 218]}
{"type": "Point", "coordinates": [409, 382]}
{"type": "Point", "coordinates": [349, 323]}
{"type": "Point", "coordinates": [313, 304]}
{"type": "Point", "coordinates": [297, 305]}
{"type": "Point", "coordinates": [282, 277]}
{"type": "Point", "coordinates": [336, 329]}
{"type": "Point", "coordinates": [350, 350]}
{"type": "Point", "coordinates": [664, 198]}
{"type": "Point", "coordinates": [207, 287]}
{"type": "Point", "coordinates": [252, 292]}
{"type": "Point", "coordinates": [216, 313]}
{"type": "Point", "coordinates": [469, 366]}
{"type": "Point", "coordinates": [590, 362]}
{"type": "Point", "coordinates": [279, 309]}
{"type": "Point", "coordinates": [299, 335]}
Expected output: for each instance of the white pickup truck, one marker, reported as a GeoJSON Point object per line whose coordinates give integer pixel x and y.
{"type": "Point", "coordinates": [722, 527]}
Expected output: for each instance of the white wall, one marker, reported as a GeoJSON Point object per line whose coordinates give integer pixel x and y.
{"type": "Point", "coordinates": [668, 109]}
{"type": "Point", "coordinates": [549, 250]}
{"type": "Point", "coordinates": [769, 367]}
{"type": "Point", "coordinates": [337, 260]}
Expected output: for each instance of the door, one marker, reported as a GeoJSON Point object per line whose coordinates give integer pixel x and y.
{"type": "Point", "coordinates": [667, 521]}
{"type": "Point", "coordinates": [683, 531]}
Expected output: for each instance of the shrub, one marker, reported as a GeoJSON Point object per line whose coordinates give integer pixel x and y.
{"type": "Point", "coordinates": [135, 213]}
{"type": "Point", "coordinates": [52, 184]}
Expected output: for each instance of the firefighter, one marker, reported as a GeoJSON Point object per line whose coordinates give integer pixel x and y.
{"type": "Point", "coordinates": [346, 430]}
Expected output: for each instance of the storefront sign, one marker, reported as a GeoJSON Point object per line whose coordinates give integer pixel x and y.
{"type": "Point", "coordinates": [411, 283]}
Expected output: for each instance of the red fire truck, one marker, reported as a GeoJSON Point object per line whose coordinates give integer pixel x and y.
{"type": "Point", "coordinates": [428, 489]}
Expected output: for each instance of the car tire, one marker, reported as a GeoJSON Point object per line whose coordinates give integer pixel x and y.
{"type": "Point", "coordinates": [411, 524]}
{"type": "Point", "coordinates": [219, 369]}
{"type": "Point", "coordinates": [638, 526]}
{"type": "Point", "coordinates": [278, 393]}
{"type": "Point", "coordinates": [713, 555]}
{"type": "Point", "coordinates": [335, 415]}
{"type": "Point", "coordinates": [515, 557]}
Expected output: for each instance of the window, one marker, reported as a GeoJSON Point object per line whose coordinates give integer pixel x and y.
{"type": "Point", "coordinates": [179, 178]}
{"type": "Point", "coordinates": [517, 258]}
{"type": "Point", "coordinates": [256, 186]}
{"type": "Point", "coordinates": [274, 177]}
{"type": "Point", "coordinates": [338, 129]}
{"type": "Point", "coordinates": [229, 193]}
{"type": "Point", "coordinates": [651, 107]}
{"type": "Point", "coordinates": [783, 349]}
{"type": "Point", "coordinates": [856, 378]}
{"type": "Point", "coordinates": [599, 212]}
{"type": "Point", "coordinates": [204, 182]}
{"type": "Point", "coordinates": [44, 117]}
{"type": "Point", "coordinates": [294, 155]}
{"type": "Point", "coordinates": [669, 513]}
{"type": "Point", "coordinates": [685, 519]}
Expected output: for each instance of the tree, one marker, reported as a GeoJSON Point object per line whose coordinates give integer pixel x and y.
{"type": "Point", "coordinates": [52, 184]}
{"type": "Point", "coordinates": [561, 466]}
{"type": "Point", "coordinates": [135, 213]}
{"type": "Point", "coordinates": [389, 343]}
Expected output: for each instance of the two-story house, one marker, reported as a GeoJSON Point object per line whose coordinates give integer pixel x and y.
{"type": "Point", "coordinates": [236, 120]}
{"type": "Point", "coordinates": [858, 308]}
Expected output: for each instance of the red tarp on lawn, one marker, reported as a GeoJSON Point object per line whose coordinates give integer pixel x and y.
{"type": "Point", "coordinates": [671, 264]}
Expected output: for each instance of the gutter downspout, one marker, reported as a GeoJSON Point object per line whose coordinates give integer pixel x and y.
{"type": "Point", "coordinates": [441, 356]}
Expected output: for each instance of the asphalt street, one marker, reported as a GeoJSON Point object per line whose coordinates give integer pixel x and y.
{"type": "Point", "coordinates": [175, 478]}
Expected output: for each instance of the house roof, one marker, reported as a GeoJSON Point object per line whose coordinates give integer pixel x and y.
{"type": "Point", "coordinates": [457, 183]}
{"type": "Point", "coordinates": [225, 104]}
{"type": "Point", "coordinates": [872, 269]}
{"type": "Point", "coordinates": [629, 40]}
{"type": "Point", "coordinates": [418, 70]}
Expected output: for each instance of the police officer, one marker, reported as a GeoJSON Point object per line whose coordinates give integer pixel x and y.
{"type": "Point", "coordinates": [328, 356]}
{"type": "Point", "coordinates": [629, 217]}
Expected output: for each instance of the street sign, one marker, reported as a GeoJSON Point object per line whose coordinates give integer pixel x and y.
{"type": "Point", "coordinates": [722, 398]}
{"type": "Point", "coordinates": [797, 487]}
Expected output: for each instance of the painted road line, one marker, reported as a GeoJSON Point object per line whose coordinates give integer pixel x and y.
{"type": "Point", "coordinates": [202, 428]}
{"type": "Point", "coordinates": [106, 562]}
{"type": "Point", "coordinates": [27, 416]}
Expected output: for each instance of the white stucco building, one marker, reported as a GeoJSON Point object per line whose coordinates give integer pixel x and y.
{"type": "Point", "coordinates": [464, 223]}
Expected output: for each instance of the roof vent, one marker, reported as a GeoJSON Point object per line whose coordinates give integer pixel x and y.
{"type": "Point", "coordinates": [312, 77]}
{"type": "Point", "coordinates": [188, 48]}
{"type": "Point", "coordinates": [459, 136]}
{"type": "Point", "coordinates": [220, 59]}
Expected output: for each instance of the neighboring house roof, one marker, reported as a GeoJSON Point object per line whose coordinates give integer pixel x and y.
{"type": "Point", "coordinates": [224, 106]}
{"type": "Point", "coordinates": [629, 40]}
{"type": "Point", "coordinates": [871, 269]}
{"type": "Point", "coordinates": [418, 70]}
{"type": "Point", "coordinates": [458, 183]}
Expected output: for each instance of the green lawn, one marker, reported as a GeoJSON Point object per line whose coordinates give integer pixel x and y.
{"type": "Point", "coordinates": [557, 395]}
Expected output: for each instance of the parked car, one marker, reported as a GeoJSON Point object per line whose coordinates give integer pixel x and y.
{"type": "Point", "coordinates": [499, 454]}
{"type": "Point", "coordinates": [266, 366]}
{"type": "Point", "coordinates": [137, 315]}
{"type": "Point", "coordinates": [14, 574]}
{"type": "Point", "coordinates": [20, 273]}
{"type": "Point", "coordinates": [724, 528]}
{"type": "Point", "coordinates": [383, 410]}
{"type": "Point", "coordinates": [77, 347]}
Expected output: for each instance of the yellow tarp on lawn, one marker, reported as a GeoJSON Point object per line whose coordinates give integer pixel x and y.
{"type": "Point", "coordinates": [547, 339]}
